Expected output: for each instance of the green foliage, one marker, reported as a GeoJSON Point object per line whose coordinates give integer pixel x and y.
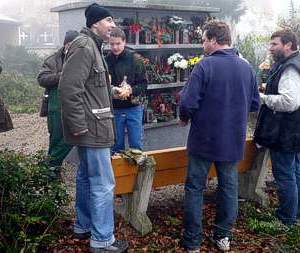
{"type": "Point", "coordinates": [263, 221]}
{"type": "Point", "coordinates": [272, 227]}
{"type": "Point", "coordinates": [30, 204]}
{"type": "Point", "coordinates": [18, 84]}
{"type": "Point", "coordinates": [18, 59]}
{"type": "Point", "coordinates": [253, 48]}
{"type": "Point", "coordinates": [20, 93]}
{"type": "Point", "coordinates": [292, 24]}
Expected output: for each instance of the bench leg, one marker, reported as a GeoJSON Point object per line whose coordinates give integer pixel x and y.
{"type": "Point", "coordinates": [135, 204]}
{"type": "Point", "coordinates": [252, 182]}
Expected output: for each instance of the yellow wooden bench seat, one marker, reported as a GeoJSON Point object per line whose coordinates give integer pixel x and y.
{"type": "Point", "coordinates": [170, 168]}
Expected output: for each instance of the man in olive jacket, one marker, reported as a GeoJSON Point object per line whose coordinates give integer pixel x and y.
{"type": "Point", "coordinates": [88, 123]}
{"type": "Point", "coordinates": [48, 78]}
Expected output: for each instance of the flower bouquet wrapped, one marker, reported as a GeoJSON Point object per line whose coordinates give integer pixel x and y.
{"type": "Point", "coordinates": [178, 62]}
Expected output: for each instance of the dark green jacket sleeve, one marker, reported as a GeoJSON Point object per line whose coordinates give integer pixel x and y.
{"type": "Point", "coordinates": [49, 74]}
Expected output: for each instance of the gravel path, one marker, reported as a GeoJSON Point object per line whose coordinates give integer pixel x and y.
{"type": "Point", "coordinates": [29, 135]}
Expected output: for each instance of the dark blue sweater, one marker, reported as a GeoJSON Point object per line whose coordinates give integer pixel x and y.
{"type": "Point", "coordinates": [217, 98]}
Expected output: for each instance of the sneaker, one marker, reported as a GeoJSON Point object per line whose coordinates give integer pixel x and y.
{"type": "Point", "coordinates": [82, 236]}
{"type": "Point", "coordinates": [118, 246]}
{"type": "Point", "coordinates": [223, 244]}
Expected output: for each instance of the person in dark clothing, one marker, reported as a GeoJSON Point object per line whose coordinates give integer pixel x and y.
{"type": "Point", "coordinates": [48, 78]}
{"type": "Point", "coordinates": [217, 98]}
{"type": "Point", "coordinates": [123, 63]}
{"type": "Point", "coordinates": [5, 119]}
{"type": "Point", "coordinates": [278, 125]}
{"type": "Point", "coordinates": [87, 118]}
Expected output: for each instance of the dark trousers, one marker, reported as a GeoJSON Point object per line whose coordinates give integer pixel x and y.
{"type": "Point", "coordinates": [226, 202]}
{"type": "Point", "coordinates": [286, 171]}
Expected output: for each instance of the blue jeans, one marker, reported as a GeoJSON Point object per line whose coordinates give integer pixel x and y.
{"type": "Point", "coordinates": [286, 171]}
{"type": "Point", "coordinates": [132, 119]}
{"type": "Point", "coordinates": [226, 202]}
{"type": "Point", "coordinates": [94, 196]}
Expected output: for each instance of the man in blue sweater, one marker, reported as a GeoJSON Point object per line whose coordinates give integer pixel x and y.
{"type": "Point", "coordinates": [216, 100]}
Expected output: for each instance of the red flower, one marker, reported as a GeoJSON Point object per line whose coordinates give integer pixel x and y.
{"type": "Point", "coordinates": [135, 27]}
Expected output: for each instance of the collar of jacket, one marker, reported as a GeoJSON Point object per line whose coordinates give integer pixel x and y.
{"type": "Point", "coordinates": [227, 51]}
{"type": "Point", "coordinates": [61, 53]}
{"type": "Point", "coordinates": [121, 55]}
{"type": "Point", "coordinates": [277, 65]}
{"type": "Point", "coordinates": [87, 31]}
{"type": "Point", "coordinates": [289, 57]}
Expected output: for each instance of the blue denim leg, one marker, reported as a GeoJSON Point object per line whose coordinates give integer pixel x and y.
{"type": "Point", "coordinates": [285, 167]}
{"type": "Point", "coordinates": [297, 165]}
{"type": "Point", "coordinates": [227, 198]}
{"type": "Point", "coordinates": [120, 122]}
{"type": "Point", "coordinates": [195, 184]}
{"type": "Point", "coordinates": [94, 196]}
{"type": "Point", "coordinates": [134, 125]}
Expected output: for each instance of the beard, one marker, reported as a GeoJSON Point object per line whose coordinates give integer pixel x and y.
{"type": "Point", "coordinates": [278, 56]}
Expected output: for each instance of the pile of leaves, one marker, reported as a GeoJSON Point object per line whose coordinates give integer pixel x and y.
{"type": "Point", "coordinates": [257, 231]}
{"type": "Point", "coordinates": [30, 204]}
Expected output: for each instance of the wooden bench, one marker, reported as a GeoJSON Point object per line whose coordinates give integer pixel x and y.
{"type": "Point", "coordinates": [168, 167]}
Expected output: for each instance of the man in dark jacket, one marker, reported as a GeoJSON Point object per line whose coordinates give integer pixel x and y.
{"type": "Point", "coordinates": [5, 119]}
{"type": "Point", "coordinates": [88, 123]}
{"type": "Point", "coordinates": [123, 63]}
{"type": "Point", "coordinates": [278, 125]}
{"type": "Point", "coordinates": [48, 78]}
{"type": "Point", "coordinates": [217, 98]}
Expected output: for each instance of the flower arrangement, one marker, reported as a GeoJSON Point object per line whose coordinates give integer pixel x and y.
{"type": "Point", "coordinates": [178, 61]}
{"type": "Point", "coordinates": [135, 28]}
{"type": "Point", "coordinates": [175, 22]}
{"type": "Point", "coordinates": [194, 60]}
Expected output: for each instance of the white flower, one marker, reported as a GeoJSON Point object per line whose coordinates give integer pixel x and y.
{"type": "Point", "coordinates": [178, 61]}
{"type": "Point", "coordinates": [170, 61]}
{"type": "Point", "coordinates": [176, 64]}
{"type": "Point", "coordinates": [183, 64]}
{"type": "Point", "coordinates": [176, 20]}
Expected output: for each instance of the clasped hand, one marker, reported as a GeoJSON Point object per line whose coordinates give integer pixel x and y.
{"type": "Point", "coordinates": [123, 92]}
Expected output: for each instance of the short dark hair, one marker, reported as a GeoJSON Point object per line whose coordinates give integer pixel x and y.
{"type": "Point", "coordinates": [218, 30]}
{"type": "Point", "coordinates": [286, 36]}
{"type": "Point", "coordinates": [117, 32]}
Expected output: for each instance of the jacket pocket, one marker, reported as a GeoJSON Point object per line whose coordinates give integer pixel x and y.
{"type": "Point", "coordinates": [100, 76]}
{"type": "Point", "coordinates": [101, 124]}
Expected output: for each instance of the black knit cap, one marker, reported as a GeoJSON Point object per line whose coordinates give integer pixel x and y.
{"type": "Point", "coordinates": [95, 13]}
{"type": "Point", "coordinates": [70, 36]}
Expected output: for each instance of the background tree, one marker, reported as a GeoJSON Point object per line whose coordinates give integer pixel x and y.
{"type": "Point", "coordinates": [292, 21]}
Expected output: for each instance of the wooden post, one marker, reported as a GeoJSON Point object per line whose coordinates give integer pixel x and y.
{"type": "Point", "coordinates": [252, 182]}
{"type": "Point", "coordinates": [135, 204]}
